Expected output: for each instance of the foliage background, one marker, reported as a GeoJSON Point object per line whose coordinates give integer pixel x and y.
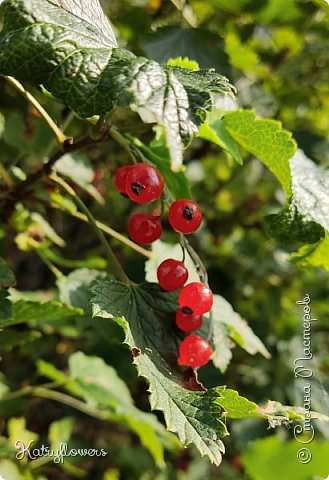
{"type": "Point", "coordinates": [276, 53]}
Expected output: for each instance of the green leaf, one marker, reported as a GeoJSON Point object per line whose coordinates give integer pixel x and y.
{"type": "Point", "coordinates": [25, 311]}
{"type": "Point", "coordinates": [315, 255]}
{"type": "Point", "coordinates": [236, 406]}
{"type": "Point", "coordinates": [74, 288]}
{"type": "Point", "coordinates": [200, 45]}
{"type": "Point", "coordinates": [266, 140]}
{"type": "Point", "coordinates": [102, 389]}
{"type": "Point", "coordinates": [10, 339]}
{"type": "Point", "coordinates": [213, 130]}
{"type": "Point", "coordinates": [310, 186]}
{"type": "Point", "coordinates": [242, 56]}
{"type": "Point", "coordinates": [146, 314]}
{"type": "Point", "coordinates": [305, 217]}
{"type": "Point", "coordinates": [78, 168]}
{"type": "Point", "coordinates": [237, 330]}
{"type": "Point", "coordinates": [7, 278]}
{"type": "Point", "coordinates": [90, 11]}
{"type": "Point", "coordinates": [281, 457]}
{"type": "Point", "coordinates": [5, 305]}
{"type": "Point", "coordinates": [183, 63]}
{"type": "Point", "coordinates": [83, 71]}
{"type": "Point", "coordinates": [60, 432]}
{"type": "Point", "coordinates": [97, 382]}
{"type": "Point", "coordinates": [17, 431]}
{"type": "Point", "coordinates": [289, 225]}
{"type": "Point", "coordinates": [9, 470]}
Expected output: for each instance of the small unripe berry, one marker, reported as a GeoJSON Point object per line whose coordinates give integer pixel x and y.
{"type": "Point", "coordinates": [144, 183]}
{"type": "Point", "coordinates": [144, 228]}
{"type": "Point", "coordinates": [172, 274]}
{"type": "Point", "coordinates": [185, 216]}
{"type": "Point", "coordinates": [194, 351]}
{"type": "Point", "coordinates": [187, 321]}
{"type": "Point", "coordinates": [196, 296]}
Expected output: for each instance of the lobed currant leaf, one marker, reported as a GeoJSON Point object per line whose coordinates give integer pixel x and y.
{"type": "Point", "coordinates": [147, 315]}
{"type": "Point", "coordinates": [266, 140]}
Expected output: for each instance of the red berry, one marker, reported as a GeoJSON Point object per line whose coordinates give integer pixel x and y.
{"type": "Point", "coordinates": [187, 321]}
{"type": "Point", "coordinates": [120, 179]}
{"type": "Point", "coordinates": [144, 228]}
{"type": "Point", "coordinates": [194, 351]}
{"type": "Point", "coordinates": [144, 183]}
{"type": "Point", "coordinates": [185, 216]}
{"type": "Point", "coordinates": [197, 297]}
{"type": "Point", "coordinates": [172, 274]}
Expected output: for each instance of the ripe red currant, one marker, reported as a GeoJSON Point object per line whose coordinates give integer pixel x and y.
{"type": "Point", "coordinates": [196, 296]}
{"type": "Point", "coordinates": [144, 183]}
{"type": "Point", "coordinates": [120, 179]}
{"type": "Point", "coordinates": [144, 228]}
{"type": "Point", "coordinates": [187, 321]}
{"type": "Point", "coordinates": [185, 216]}
{"type": "Point", "coordinates": [194, 351]}
{"type": "Point", "coordinates": [172, 274]}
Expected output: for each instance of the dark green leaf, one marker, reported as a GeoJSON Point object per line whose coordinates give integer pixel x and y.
{"type": "Point", "coordinates": [289, 225]}
{"type": "Point", "coordinates": [7, 278]}
{"type": "Point", "coordinates": [5, 305]}
{"type": "Point", "coordinates": [10, 339]}
{"type": "Point", "coordinates": [81, 69]}
{"type": "Point", "coordinates": [146, 314]}
{"type": "Point", "coordinates": [25, 311]}
{"type": "Point", "coordinates": [200, 45]}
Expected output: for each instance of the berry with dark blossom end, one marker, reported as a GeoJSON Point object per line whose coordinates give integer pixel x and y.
{"type": "Point", "coordinates": [187, 321]}
{"type": "Point", "coordinates": [143, 228]}
{"type": "Point", "coordinates": [185, 216]}
{"type": "Point", "coordinates": [172, 274]}
{"type": "Point", "coordinates": [194, 351]}
{"type": "Point", "coordinates": [120, 179]}
{"type": "Point", "coordinates": [197, 297]}
{"type": "Point", "coordinates": [144, 183]}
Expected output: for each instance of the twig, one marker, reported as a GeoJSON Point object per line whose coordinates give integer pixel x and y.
{"type": "Point", "coordinates": [60, 136]}
{"type": "Point", "coordinates": [113, 263]}
{"type": "Point", "coordinates": [110, 231]}
{"type": "Point", "coordinates": [56, 272]}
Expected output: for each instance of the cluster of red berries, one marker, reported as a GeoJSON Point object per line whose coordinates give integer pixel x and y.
{"type": "Point", "coordinates": [195, 299]}
{"type": "Point", "coordinates": [143, 183]}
